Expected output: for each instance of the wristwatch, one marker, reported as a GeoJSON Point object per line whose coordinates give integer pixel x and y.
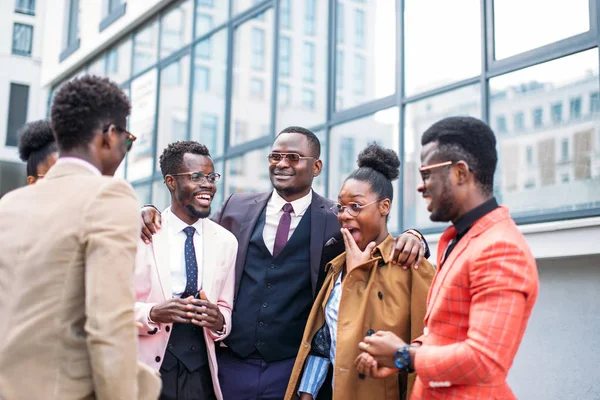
{"type": "Point", "coordinates": [402, 359]}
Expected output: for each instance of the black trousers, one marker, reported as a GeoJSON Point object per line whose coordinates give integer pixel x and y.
{"type": "Point", "coordinates": [181, 384]}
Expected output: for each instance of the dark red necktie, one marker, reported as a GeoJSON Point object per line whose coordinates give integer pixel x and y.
{"type": "Point", "coordinates": [283, 229]}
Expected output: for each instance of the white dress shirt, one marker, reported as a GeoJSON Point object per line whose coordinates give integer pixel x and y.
{"type": "Point", "coordinates": [78, 161]}
{"type": "Point", "coordinates": [274, 213]}
{"type": "Point", "coordinates": [177, 238]}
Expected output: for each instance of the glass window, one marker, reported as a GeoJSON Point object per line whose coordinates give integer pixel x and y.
{"type": "Point", "coordinates": [519, 121]}
{"type": "Point", "coordinates": [359, 74]}
{"type": "Point", "coordinates": [308, 61]}
{"type": "Point", "coordinates": [161, 196]}
{"type": "Point", "coordinates": [114, 5]}
{"type": "Point", "coordinates": [359, 28]}
{"type": "Point", "coordinates": [286, 14]}
{"type": "Point", "coordinates": [25, 7]}
{"type": "Point", "coordinates": [310, 17]}
{"type": "Point", "coordinates": [419, 116]}
{"type": "Point", "coordinates": [173, 104]}
{"type": "Point", "coordinates": [372, 30]}
{"type": "Point", "coordinates": [556, 113]}
{"type": "Point", "coordinates": [145, 48]}
{"type": "Point", "coordinates": [594, 102]}
{"type": "Point", "coordinates": [500, 124]}
{"type": "Point", "coordinates": [97, 67]}
{"type": "Point", "coordinates": [575, 108]}
{"type": "Point", "coordinates": [242, 5]}
{"type": "Point", "coordinates": [453, 52]}
{"type": "Point", "coordinates": [257, 88]}
{"type": "Point", "coordinates": [118, 61]}
{"type": "Point", "coordinates": [176, 28]}
{"type": "Point", "coordinates": [285, 56]}
{"type": "Point", "coordinates": [141, 124]}
{"type": "Point", "coordinates": [308, 99]}
{"type": "Point", "coordinates": [208, 107]}
{"type": "Point", "coordinates": [521, 25]}
{"type": "Point", "coordinates": [203, 49]}
{"type": "Point", "coordinates": [349, 139]}
{"type": "Point", "coordinates": [340, 22]}
{"type": "Point", "coordinates": [143, 194]}
{"type": "Point", "coordinates": [72, 28]}
{"type": "Point", "coordinates": [538, 117]}
{"type": "Point", "coordinates": [283, 96]}
{"type": "Point", "coordinates": [564, 150]}
{"type": "Point", "coordinates": [209, 14]}
{"type": "Point", "coordinates": [17, 111]}
{"type": "Point", "coordinates": [319, 182]}
{"type": "Point", "coordinates": [529, 155]}
{"type": "Point", "coordinates": [248, 173]}
{"type": "Point", "coordinates": [22, 39]}
{"type": "Point", "coordinates": [253, 57]}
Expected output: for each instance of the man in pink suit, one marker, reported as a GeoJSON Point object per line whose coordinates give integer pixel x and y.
{"type": "Point", "coordinates": [185, 279]}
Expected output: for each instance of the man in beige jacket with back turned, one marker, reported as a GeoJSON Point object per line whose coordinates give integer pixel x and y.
{"type": "Point", "coordinates": [67, 250]}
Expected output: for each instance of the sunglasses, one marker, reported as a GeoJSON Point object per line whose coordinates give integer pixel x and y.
{"type": "Point", "coordinates": [292, 158]}
{"type": "Point", "coordinates": [198, 177]}
{"type": "Point", "coordinates": [130, 136]}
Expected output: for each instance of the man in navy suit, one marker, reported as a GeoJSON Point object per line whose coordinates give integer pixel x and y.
{"type": "Point", "coordinates": [285, 238]}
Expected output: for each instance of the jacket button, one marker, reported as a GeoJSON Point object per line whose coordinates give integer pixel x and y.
{"type": "Point", "coordinates": [268, 285]}
{"type": "Point", "coordinates": [193, 348]}
{"type": "Point", "coordinates": [157, 359]}
{"type": "Point", "coordinates": [168, 329]}
{"type": "Point", "coordinates": [265, 304]}
{"type": "Point", "coordinates": [272, 266]}
{"type": "Point", "coordinates": [170, 345]}
{"type": "Point", "coordinates": [379, 294]}
{"type": "Point", "coordinates": [370, 332]}
{"type": "Point", "coordinates": [261, 323]}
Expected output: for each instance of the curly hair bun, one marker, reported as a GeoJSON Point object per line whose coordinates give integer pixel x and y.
{"type": "Point", "coordinates": [34, 136]}
{"type": "Point", "coordinates": [380, 159]}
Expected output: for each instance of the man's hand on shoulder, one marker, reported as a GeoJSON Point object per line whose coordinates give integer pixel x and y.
{"type": "Point", "coordinates": [151, 222]}
{"type": "Point", "coordinates": [409, 249]}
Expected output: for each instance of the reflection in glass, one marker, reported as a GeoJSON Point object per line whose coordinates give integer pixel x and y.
{"type": "Point", "coordinates": [553, 163]}
{"type": "Point", "coordinates": [319, 182]}
{"type": "Point", "coordinates": [252, 60]}
{"type": "Point", "coordinates": [450, 52]}
{"type": "Point", "coordinates": [97, 67]}
{"type": "Point", "coordinates": [141, 124]}
{"type": "Point", "coordinates": [208, 113]}
{"type": "Point", "coordinates": [118, 61]}
{"type": "Point", "coordinates": [143, 194]}
{"type": "Point", "coordinates": [173, 104]}
{"type": "Point", "coordinates": [248, 173]}
{"type": "Point", "coordinates": [365, 31]}
{"type": "Point", "coordinates": [161, 196]}
{"type": "Point", "coordinates": [521, 25]}
{"type": "Point", "coordinates": [176, 28]}
{"type": "Point", "coordinates": [347, 140]}
{"type": "Point", "coordinates": [302, 94]}
{"type": "Point", "coordinates": [419, 116]}
{"type": "Point", "coordinates": [209, 14]}
{"type": "Point", "coordinates": [145, 47]}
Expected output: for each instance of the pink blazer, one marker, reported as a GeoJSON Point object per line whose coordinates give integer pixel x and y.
{"type": "Point", "coordinates": [153, 285]}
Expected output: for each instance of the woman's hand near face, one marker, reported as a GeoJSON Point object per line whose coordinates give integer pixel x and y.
{"type": "Point", "coordinates": [354, 256]}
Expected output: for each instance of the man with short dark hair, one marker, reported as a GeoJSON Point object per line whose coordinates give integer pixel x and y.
{"type": "Point", "coordinates": [185, 279]}
{"type": "Point", "coordinates": [286, 237]}
{"type": "Point", "coordinates": [67, 326]}
{"type": "Point", "coordinates": [486, 286]}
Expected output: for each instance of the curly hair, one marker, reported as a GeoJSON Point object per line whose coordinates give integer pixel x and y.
{"type": "Point", "coordinates": [378, 166]}
{"type": "Point", "coordinates": [313, 140]}
{"type": "Point", "coordinates": [172, 156]}
{"type": "Point", "coordinates": [36, 143]}
{"type": "Point", "coordinates": [83, 105]}
{"type": "Point", "coordinates": [468, 139]}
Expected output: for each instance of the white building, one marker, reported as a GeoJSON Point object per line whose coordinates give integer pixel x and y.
{"type": "Point", "coordinates": [22, 98]}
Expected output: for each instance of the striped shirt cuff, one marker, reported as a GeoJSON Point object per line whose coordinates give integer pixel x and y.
{"type": "Point", "coordinates": [315, 372]}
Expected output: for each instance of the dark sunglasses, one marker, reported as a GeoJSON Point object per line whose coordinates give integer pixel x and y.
{"type": "Point", "coordinates": [130, 136]}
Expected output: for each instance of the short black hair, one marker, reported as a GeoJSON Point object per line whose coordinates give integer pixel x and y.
{"type": "Point", "coordinates": [378, 166]}
{"type": "Point", "coordinates": [172, 156]}
{"type": "Point", "coordinates": [468, 139]}
{"type": "Point", "coordinates": [36, 143]}
{"type": "Point", "coordinates": [83, 105]}
{"type": "Point", "coordinates": [313, 140]}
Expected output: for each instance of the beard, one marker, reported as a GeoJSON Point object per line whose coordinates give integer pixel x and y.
{"type": "Point", "coordinates": [446, 203]}
{"type": "Point", "coordinates": [197, 213]}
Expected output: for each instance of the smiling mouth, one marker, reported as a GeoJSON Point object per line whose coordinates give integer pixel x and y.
{"type": "Point", "coordinates": [204, 199]}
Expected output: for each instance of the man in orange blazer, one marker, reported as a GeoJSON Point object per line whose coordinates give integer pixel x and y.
{"type": "Point", "coordinates": [486, 284]}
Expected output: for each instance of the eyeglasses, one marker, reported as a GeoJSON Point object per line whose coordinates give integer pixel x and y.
{"type": "Point", "coordinates": [130, 136]}
{"type": "Point", "coordinates": [353, 209]}
{"type": "Point", "coordinates": [425, 170]}
{"type": "Point", "coordinates": [292, 158]}
{"type": "Point", "coordinates": [198, 177]}
{"type": "Point", "coordinates": [40, 175]}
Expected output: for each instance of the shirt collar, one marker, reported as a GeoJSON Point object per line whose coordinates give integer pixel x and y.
{"type": "Point", "coordinates": [464, 223]}
{"type": "Point", "coordinates": [79, 161]}
{"type": "Point", "coordinates": [176, 225]}
{"type": "Point", "coordinates": [300, 205]}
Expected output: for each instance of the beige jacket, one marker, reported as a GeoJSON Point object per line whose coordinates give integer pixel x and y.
{"type": "Point", "coordinates": [376, 295]}
{"type": "Point", "coordinates": [67, 250]}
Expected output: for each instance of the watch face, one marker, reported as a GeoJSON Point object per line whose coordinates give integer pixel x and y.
{"type": "Point", "coordinates": [402, 358]}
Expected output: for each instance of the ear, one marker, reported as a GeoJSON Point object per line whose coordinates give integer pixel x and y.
{"type": "Point", "coordinates": [31, 179]}
{"type": "Point", "coordinates": [170, 182]}
{"type": "Point", "coordinates": [384, 207]}
{"type": "Point", "coordinates": [317, 168]}
{"type": "Point", "coordinates": [462, 172]}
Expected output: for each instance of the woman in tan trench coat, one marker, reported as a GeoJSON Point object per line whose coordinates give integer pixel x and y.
{"type": "Point", "coordinates": [363, 292]}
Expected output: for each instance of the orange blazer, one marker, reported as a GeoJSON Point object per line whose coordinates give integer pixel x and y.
{"type": "Point", "coordinates": [477, 311]}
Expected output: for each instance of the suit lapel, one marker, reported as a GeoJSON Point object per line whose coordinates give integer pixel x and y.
{"type": "Point", "coordinates": [209, 259]}
{"type": "Point", "coordinates": [160, 243]}
{"type": "Point", "coordinates": [252, 212]}
{"type": "Point", "coordinates": [318, 219]}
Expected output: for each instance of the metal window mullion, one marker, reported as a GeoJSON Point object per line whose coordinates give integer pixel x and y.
{"type": "Point", "coordinates": [332, 34]}
{"type": "Point", "coordinates": [156, 105]}
{"type": "Point", "coordinates": [401, 108]}
{"type": "Point", "coordinates": [192, 75]}
{"type": "Point", "coordinates": [275, 61]}
{"type": "Point", "coordinates": [595, 16]}
{"type": "Point", "coordinates": [228, 95]}
{"type": "Point", "coordinates": [487, 53]}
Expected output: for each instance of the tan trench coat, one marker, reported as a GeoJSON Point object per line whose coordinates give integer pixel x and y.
{"type": "Point", "coordinates": [376, 295]}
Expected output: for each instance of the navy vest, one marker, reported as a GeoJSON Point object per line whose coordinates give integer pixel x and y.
{"type": "Point", "coordinates": [275, 296]}
{"type": "Point", "coordinates": [187, 345]}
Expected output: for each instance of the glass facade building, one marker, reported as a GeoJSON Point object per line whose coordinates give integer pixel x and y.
{"type": "Point", "coordinates": [231, 74]}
